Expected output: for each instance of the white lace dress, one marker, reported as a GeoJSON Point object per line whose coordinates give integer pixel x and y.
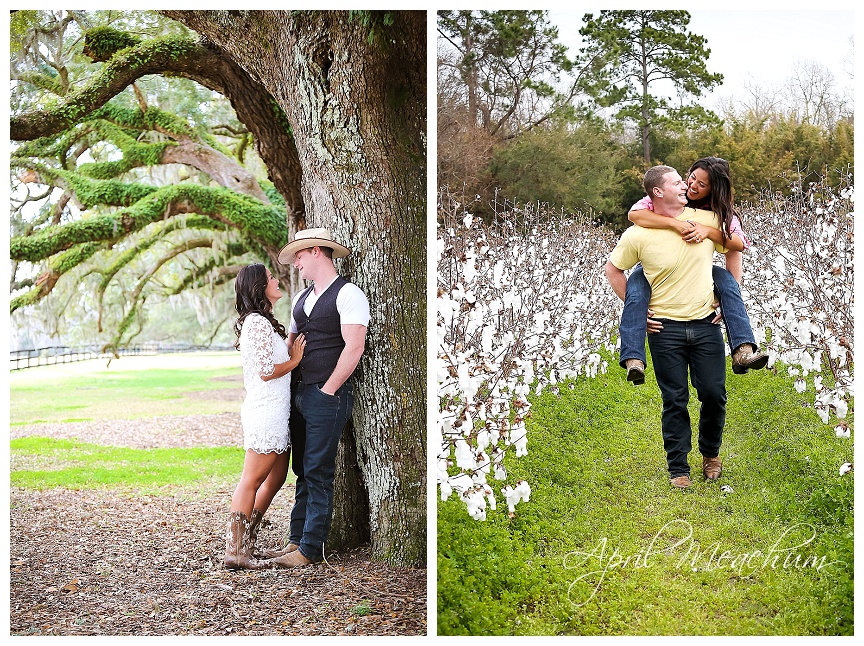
{"type": "Point", "coordinates": [265, 410]}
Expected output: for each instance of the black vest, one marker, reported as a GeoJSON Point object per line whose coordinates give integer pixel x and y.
{"type": "Point", "coordinates": [323, 330]}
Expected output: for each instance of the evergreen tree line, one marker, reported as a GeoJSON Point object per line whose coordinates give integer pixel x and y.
{"type": "Point", "coordinates": [519, 120]}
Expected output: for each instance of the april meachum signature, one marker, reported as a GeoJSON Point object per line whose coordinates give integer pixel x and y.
{"type": "Point", "coordinates": [680, 534]}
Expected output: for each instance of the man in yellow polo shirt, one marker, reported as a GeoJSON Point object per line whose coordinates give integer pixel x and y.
{"type": "Point", "coordinates": [682, 297]}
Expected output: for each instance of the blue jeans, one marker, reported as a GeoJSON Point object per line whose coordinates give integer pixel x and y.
{"type": "Point", "coordinates": [633, 326]}
{"type": "Point", "coordinates": [317, 421]}
{"type": "Point", "coordinates": [697, 347]}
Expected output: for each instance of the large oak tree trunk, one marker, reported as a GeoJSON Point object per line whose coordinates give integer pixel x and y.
{"type": "Point", "coordinates": [353, 89]}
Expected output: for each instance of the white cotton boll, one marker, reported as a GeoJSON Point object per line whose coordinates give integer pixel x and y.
{"type": "Point", "coordinates": [822, 412]}
{"type": "Point", "coordinates": [440, 246]}
{"type": "Point", "coordinates": [475, 501]}
{"type": "Point", "coordinates": [524, 490]}
{"type": "Point", "coordinates": [483, 439]}
{"type": "Point", "coordinates": [497, 273]}
{"type": "Point", "coordinates": [521, 445]}
{"type": "Point", "coordinates": [839, 431]}
{"type": "Point", "coordinates": [817, 383]}
{"type": "Point", "coordinates": [442, 471]}
{"type": "Point", "coordinates": [500, 472]}
{"type": "Point", "coordinates": [726, 489]}
{"type": "Point", "coordinates": [840, 407]}
{"type": "Point", "coordinates": [471, 386]}
{"type": "Point", "coordinates": [469, 422]}
{"type": "Point", "coordinates": [800, 385]}
{"type": "Point", "coordinates": [780, 264]}
{"type": "Point", "coordinates": [484, 464]}
{"type": "Point", "coordinates": [845, 468]}
{"type": "Point", "coordinates": [513, 495]}
{"type": "Point", "coordinates": [468, 220]}
{"type": "Point", "coordinates": [461, 482]}
{"type": "Point", "coordinates": [490, 497]}
{"type": "Point", "coordinates": [464, 455]}
{"type": "Point", "coordinates": [446, 490]}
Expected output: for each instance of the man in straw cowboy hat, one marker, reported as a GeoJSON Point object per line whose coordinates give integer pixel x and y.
{"type": "Point", "coordinates": [333, 314]}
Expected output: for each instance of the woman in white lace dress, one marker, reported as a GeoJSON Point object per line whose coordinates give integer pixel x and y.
{"type": "Point", "coordinates": [265, 410]}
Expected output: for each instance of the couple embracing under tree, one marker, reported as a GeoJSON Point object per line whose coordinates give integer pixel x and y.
{"type": "Point", "coordinates": [311, 387]}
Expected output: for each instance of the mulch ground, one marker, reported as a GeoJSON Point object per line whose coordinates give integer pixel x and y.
{"type": "Point", "coordinates": [104, 563]}
{"type": "Point", "coordinates": [95, 563]}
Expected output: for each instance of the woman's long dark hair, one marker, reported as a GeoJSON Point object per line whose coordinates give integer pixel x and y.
{"type": "Point", "coordinates": [720, 198]}
{"type": "Point", "coordinates": [250, 287]}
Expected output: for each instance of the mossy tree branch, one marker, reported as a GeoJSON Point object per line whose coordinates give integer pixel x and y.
{"type": "Point", "coordinates": [57, 266]}
{"type": "Point", "coordinates": [260, 222]}
{"type": "Point", "coordinates": [140, 246]}
{"type": "Point", "coordinates": [136, 299]}
{"type": "Point", "coordinates": [188, 58]}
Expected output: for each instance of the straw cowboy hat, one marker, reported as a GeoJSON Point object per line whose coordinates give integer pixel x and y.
{"type": "Point", "coordinates": [308, 238]}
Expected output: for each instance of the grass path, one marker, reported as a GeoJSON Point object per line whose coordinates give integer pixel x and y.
{"type": "Point", "coordinates": [600, 494]}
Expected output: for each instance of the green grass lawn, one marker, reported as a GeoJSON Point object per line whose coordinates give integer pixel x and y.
{"type": "Point", "coordinates": [600, 494]}
{"type": "Point", "coordinates": [43, 463]}
{"type": "Point", "coordinates": [131, 387]}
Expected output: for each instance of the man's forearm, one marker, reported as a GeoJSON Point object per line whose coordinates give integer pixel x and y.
{"type": "Point", "coordinates": [355, 343]}
{"type": "Point", "coordinates": [348, 361]}
{"type": "Point", "coordinates": [617, 280]}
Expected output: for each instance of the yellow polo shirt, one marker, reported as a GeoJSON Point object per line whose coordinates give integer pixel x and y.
{"type": "Point", "coordinates": [679, 272]}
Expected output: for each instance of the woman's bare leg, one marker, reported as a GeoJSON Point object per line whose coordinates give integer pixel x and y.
{"type": "Point", "coordinates": [256, 468]}
{"type": "Point", "coordinates": [273, 483]}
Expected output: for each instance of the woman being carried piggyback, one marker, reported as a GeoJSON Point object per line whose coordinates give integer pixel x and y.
{"type": "Point", "coordinates": [709, 188]}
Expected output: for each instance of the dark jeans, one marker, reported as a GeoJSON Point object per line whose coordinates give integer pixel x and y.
{"type": "Point", "coordinates": [696, 346]}
{"type": "Point", "coordinates": [317, 421]}
{"type": "Point", "coordinates": [633, 326]}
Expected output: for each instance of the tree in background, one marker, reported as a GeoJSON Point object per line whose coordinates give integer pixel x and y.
{"type": "Point", "coordinates": [644, 48]}
{"type": "Point", "coordinates": [336, 105]}
{"type": "Point", "coordinates": [572, 167]}
{"type": "Point", "coordinates": [501, 74]}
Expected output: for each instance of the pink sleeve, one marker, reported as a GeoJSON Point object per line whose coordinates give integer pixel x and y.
{"type": "Point", "coordinates": [644, 204]}
{"type": "Point", "coordinates": [735, 227]}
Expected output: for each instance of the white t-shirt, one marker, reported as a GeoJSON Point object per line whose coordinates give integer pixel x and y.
{"type": "Point", "coordinates": [351, 303]}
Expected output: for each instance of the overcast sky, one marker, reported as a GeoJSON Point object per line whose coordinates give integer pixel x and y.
{"type": "Point", "coordinates": [754, 46]}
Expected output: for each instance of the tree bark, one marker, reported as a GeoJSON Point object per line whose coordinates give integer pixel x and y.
{"type": "Point", "coordinates": [354, 93]}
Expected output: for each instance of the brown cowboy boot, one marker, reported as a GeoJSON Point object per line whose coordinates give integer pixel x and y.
{"type": "Point", "coordinates": [635, 371]}
{"type": "Point", "coordinates": [238, 544]}
{"type": "Point", "coordinates": [711, 467]}
{"type": "Point", "coordinates": [292, 559]}
{"type": "Point", "coordinates": [680, 482]}
{"type": "Point", "coordinates": [746, 357]}
{"type": "Point", "coordinates": [271, 553]}
{"type": "Point", "coordinates": [265, 553]}
{"type": "Point", "coordinates": [254, 526]}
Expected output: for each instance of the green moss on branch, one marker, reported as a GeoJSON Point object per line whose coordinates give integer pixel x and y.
{"type": "Point", "coordinates": [260, 222]}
